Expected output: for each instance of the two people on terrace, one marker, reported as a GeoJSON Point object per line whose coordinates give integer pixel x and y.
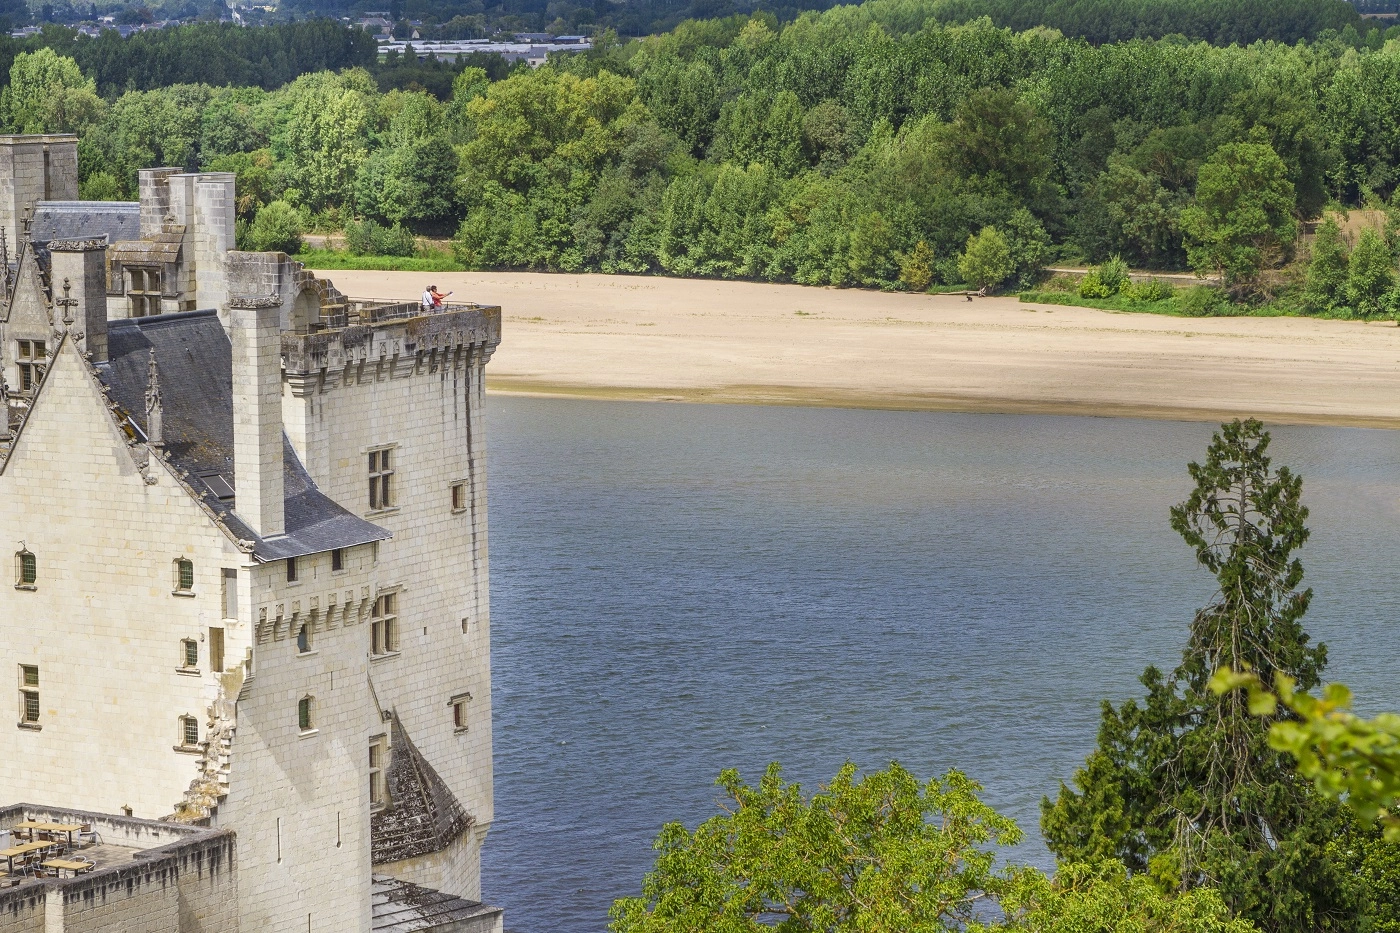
{"type": "Point", "coordinates": [432, 298]}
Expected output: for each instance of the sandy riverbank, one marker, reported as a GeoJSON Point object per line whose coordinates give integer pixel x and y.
{"type": "Point", "coordinates": [661, 339]}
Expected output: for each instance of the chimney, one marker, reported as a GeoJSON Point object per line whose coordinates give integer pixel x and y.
{"type": "Point", "coordinates": [78, 271]}
{"type": "Point", "coordinates": [255, 331]}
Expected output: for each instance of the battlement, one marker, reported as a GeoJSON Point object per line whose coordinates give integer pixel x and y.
{"type": "Point", "coordinates": [391, 332]}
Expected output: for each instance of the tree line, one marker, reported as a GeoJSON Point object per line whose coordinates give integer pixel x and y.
{"type": "Point", "coordinates": [217, 54]}
{"type": "Point", "coordinates": [867, 145]}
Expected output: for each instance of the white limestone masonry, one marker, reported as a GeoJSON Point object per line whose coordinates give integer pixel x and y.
{"type": "Point", "coordinates": [188, 541]}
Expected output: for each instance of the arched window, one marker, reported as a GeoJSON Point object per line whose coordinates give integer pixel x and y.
{"type": "Point", "coordinates": [184, 575]}
{"type": "Point", "coordinates": [306, 713]}
{"type": "Point", "coordinates": [26, 569]}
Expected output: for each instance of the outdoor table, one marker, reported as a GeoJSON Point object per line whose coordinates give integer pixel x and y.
{"type": "Point", "coordinates": [10, 853]}
{"type": "Point", "coordinates": [67, 828]}
{"type": "Point", "coordinates": [63, 865]}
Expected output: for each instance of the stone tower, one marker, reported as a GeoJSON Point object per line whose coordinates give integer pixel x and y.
{"type": "Point", "coordinates": [34, 169]}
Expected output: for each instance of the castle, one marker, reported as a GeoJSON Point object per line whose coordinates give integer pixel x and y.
{"type": "Point", "coordinates": [247, 517]}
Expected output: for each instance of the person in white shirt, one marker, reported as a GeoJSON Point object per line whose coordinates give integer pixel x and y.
{"type": "Point", "coordinates": [429, 301]}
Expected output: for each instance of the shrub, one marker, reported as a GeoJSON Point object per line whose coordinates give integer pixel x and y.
{"type": "Point", "coordinates": [1113, 274]}
{"type": "Point", "coordinates": [1370, 275]}
{"type": "Point", "coordinates": [1092, 286]}
{"type": "Point", "coordinates": [1151, 290]}
{"type": "Point", "coordinates": [1203, 301]}
{"type": "Point", "coordinates": [986, 263]}
{"type": "Point", "coordinates": [367, 238]}
{"type": "Point", "coordinates": [1327, 269]}
{"type": "Point", "coordinates": [277, 226]}
{"type": "Point", "coordinates": [1062, 282]}
{"type": "Point", "coordinates": [916, 269]}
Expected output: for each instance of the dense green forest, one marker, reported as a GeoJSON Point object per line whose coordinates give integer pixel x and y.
{"type": "Point", "coordinates": [1096, 20]}
{"type": "Point", "coordinates": [867, 145]}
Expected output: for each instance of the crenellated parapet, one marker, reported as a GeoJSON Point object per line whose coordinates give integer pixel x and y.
{"type": "Point", "coordinates": [397, 336]}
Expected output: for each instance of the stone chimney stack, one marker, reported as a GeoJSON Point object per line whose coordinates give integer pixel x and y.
{"type": "Point", "coordinates": [254, 329]}
{"type": "Point", "coordinates": [82, 266]}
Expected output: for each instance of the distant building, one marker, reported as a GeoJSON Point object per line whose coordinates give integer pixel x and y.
{"type": "Point", "coordinates": [247, 519]}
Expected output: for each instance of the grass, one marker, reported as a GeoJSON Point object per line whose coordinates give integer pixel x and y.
{"type": "Point", "coordinates": [1173, 306]}
{"type": "Point", "coordinates": [339, 259]}
{"type": "Point", "coordinates": [1180, 306]}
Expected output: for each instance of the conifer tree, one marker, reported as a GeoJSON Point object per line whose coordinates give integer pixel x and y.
{"type": "Point", "coordinates": [1184, 785]}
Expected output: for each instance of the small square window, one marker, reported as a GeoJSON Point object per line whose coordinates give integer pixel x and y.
{"type": "Point", "coordinates": [189, 731]}
{"type": "Point", "coordinates": [29, 673]}
{"type": "Point", "coordinates": [338, 559]}
{"type": "Point", "coordinates": [459, 497]}
{"type": "Point", "coordinates": [189, 653]}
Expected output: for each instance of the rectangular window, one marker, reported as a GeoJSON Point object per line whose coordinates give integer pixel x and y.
{"type": "Point", "coordinates": [381, 478]}
{"type": "Point", "coordinates": [143, 290]}
{"type": "Point", "coordinates": [230, 593]}
{"type": "Point", "coordinates": [33, 357]}
{"type": "Point", "coordinates": [184, 575]}
{"type": "Point", "coordinates": [304, 714]}
{"type": "Point", "coordinates": [459, 497]}
{"type": "Point", "coordinates": [189, 730]}
{"type": "Point", "coordinates": [337, 559]}
{"type": "Point", "coordinates": [291, 570]}
{"type": "Point", "coordinates": [189, 653]}
{"type": "Point", "coordinates": [459, 711]}
{"type": "Point", "coordinates": [28, 569]}
{"type": "Point", "coordinates": [29, 693]}
{"type": "Point", "coordinates": [216, 649]}
{"type": "Point", "coordinates": [303, 639]}
{"type": "Point", "coordinates": [378, 752]}
{"type": "Point", "coordinates": [384, 624]}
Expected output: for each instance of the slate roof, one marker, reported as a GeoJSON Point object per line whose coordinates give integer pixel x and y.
{"type": "Point", "coordinates": [81, 220]}
{"type": "Point", "coordinates": [423, 816]}
{"type": "Point", "coordinates": [195, 366]}
{"type": "Point", "coordinates": [402, 907]}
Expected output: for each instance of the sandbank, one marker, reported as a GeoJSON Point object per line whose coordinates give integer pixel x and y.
{"type": "Point", "coordinates": [664, 339]}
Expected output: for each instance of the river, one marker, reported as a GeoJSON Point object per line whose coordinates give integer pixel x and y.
{"type": "Point", "coordinates": [678, 589]}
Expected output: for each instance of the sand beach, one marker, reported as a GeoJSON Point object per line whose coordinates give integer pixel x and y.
{"type": "Point", "coordinates": [662, 339]}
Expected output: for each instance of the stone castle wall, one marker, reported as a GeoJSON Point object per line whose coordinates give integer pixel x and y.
{"type": "Point", "coordinates": [416, 387]}
{"type": "Point", "coordinates": [299, 800]}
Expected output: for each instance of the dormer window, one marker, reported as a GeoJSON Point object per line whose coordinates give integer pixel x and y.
{"type": "Point", "coordinates": [32, 356]}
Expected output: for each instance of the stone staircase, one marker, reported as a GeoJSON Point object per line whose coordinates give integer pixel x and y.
{"type": "Point", "coordinates": [209, 789]}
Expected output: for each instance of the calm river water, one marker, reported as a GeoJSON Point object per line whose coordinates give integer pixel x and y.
{"type": "Point", "coordinates": [677, 589]}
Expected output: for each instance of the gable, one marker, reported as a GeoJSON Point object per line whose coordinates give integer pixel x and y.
{"type": "Point", "coordinates": [72, 463]}
{"type": "Point", "coordinates": [29, 313]}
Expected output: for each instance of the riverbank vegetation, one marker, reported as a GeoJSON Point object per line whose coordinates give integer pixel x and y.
{"type": "Point", "coordinates": [1193, 813]}
{"type": "Point", "coordinates": [896, 145]}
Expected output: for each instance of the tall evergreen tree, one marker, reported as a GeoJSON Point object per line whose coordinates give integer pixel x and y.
{"type": "Point", "coordinates": [1184, 786]}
